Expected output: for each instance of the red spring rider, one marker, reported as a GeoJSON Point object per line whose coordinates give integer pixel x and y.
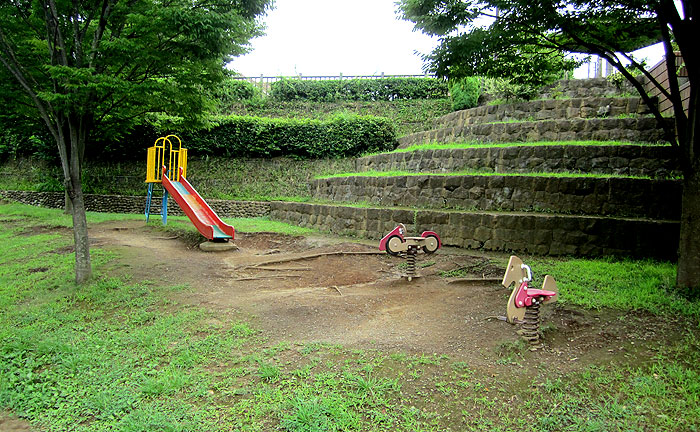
{"type": "Point", "coordinates": [524, 302]}
{"type": "Point", "coordinates": [396, 243]}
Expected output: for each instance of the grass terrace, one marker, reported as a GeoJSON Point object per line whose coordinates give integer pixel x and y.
{"type": "Point", "coordinates": [478, 173]}
{"type": "Point", "coordinates": [467, 145]}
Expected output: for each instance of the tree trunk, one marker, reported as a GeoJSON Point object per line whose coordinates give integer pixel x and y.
{"type": "Point", "coordinates": [83, 268]}
{"type": "Point", "coordinates": [688, 275]}
{"type": "Point", "coordinates": [68, 205]}
{"type": "Point", "coordinates": [75, 133]}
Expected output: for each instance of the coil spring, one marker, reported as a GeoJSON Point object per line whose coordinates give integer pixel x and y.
{"type": "Point", "coordinates": [531, 324]}
{"type": "Point", "coordinates": [411, 261]}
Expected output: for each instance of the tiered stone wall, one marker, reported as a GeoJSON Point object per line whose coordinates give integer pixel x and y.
{"type": "Point", "coordinates": [136, 204]}
{"type": "Point", "coordinates": [649, 161]}
{"type": "Point", "coordinates": [545, 109]}
{"type": "Point", "coordinates": [642, 129]}
{"type": "Point", "coordinates": [584, 88]}
{"type": "Point", "coordinates": [657, 199]}
{"type": "Point", "coordinates": [536, 234]}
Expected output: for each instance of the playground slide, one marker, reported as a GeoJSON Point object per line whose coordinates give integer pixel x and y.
{"type": "Point", "coordinates": [199, 212]}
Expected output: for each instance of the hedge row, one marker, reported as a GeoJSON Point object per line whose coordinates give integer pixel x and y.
{"type": "Point", "coordinates": [339, 136]}
{"type": "Point", "coordinates": [343, 135]}
{"type": "Point", "coordinates": [385, 89]}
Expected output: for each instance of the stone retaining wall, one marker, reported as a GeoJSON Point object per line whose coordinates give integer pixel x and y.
{"type": "Point", "coordinates": [521, 232]}
{"type": "Point", "coordinates": [517, 232]}
{"type": "Point", "coordinates": [656, 199]}
{"type": "Point", "coordinates": [136, 204]}
{"type": "Point", "coordinates": [585, 88]}
{"type": "Point", "coordinates": [544, 109]}
{"type": "Point", "coordinates": [650, 161]}
{"type": "Point", "coordinates": [600, 129]}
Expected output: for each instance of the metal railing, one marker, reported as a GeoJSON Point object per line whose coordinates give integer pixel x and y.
{"type": "Point", "coordinates": [262, 79]}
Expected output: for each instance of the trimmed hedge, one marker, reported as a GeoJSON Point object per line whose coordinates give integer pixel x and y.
{"type": "Point", "coordinates": [343, 135]}
{"type": "Point", "coordinates": [386, 89]}
{"type": "Point", "coordinates": [339, 136]}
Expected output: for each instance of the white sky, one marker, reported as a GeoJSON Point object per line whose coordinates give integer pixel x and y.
{"type": "Point", "coordinates": [329, 37]}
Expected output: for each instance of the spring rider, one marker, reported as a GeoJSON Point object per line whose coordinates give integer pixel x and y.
{"type": "Point", "coordinates": [524, 302]}
{"type": "Point", "coordinates": [395, 243]}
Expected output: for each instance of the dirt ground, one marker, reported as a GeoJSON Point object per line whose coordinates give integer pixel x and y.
{"type": "Point", "coordinates": [361, 299]}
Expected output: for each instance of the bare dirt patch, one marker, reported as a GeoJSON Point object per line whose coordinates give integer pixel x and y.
{"type": "Point", "coordinates": [360, 299]}
{"type": "Point", "coordinates": [10, 423]}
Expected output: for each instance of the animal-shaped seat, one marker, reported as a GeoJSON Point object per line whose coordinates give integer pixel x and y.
{"type": "Point", "coordinates": [523, 296]}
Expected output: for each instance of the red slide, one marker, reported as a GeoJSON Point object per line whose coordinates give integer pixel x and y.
{"type": "Point", "coordinates": [199, 212]}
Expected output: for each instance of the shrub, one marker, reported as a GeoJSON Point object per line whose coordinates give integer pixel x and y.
{"type": "Point", "coordinates": [340, 136]}
{"type": "Point", "coordinates": [236, 90]}
{"type": "Point", "coordinates": [465, 93]}
{"type": "Point", "coordinates": [130, 145]}
{"type": "Point", "coordinates": [500, 89]}
{"type": "Point", "coordinates": [36, 143]}
{"type": "Point", "coordinates": [386, 89]}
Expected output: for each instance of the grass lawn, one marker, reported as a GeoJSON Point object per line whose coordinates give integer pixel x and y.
{"type": "Point", "coordinates": [119, 354]}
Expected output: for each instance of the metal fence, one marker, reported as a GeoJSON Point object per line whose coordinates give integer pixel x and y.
{"type": "Point", "coordinates": [266, 80]}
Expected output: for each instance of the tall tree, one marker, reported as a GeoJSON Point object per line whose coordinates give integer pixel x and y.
{"type": "Point", "coordinates": [86, 66]}
{"type": "Point", "coordinates": [609, 29]}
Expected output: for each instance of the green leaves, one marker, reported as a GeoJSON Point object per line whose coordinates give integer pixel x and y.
{"type": "Point", "coordinates": [386, 89]}
{"type": "Point", "coordinates": [113, 65]}
{"type": "Point", "coordinates": [465, 93]}
{"type": "Point", "coordinates": [339, 136]}
{"type": "Point", "coordinates": [518, 40]}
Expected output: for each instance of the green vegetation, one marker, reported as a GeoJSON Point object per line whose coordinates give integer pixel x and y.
{"type": "Point", "coordinates": [407, 116]}
{"type": "Point", "coordinates": [528, 42]}
{"type": "Point", "coordinates": [213, 177]}
{"type": "Point", "coordinates": [618, 284]}
{"type": "Point", "coordinates": [612, 283]}
{"type": "Point", "coordinates": [228, 178]}
{"type": "Point", "coordinates": [182, 227]}
{"type": "Point", "coordinates": [465, 93]}
{"type": "Point", "coordinates": [120, 354]}
{"type": "Point", "coordinates": [53, 217]}
{"type": "Point", "coordinates": [341, 135]}
{"type": "Point", "coordinates": [476, 173]}
{"type": "Point", "coordinates": [232, 91]}
{"type": "Point", "coordinates": [386, 89]}
{"type": "Point", "coordinates": [268, 128]}
{"type": "Point", "coordinates": [466, 145]}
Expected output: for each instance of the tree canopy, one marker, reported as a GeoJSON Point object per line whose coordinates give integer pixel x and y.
{"type": "Point", "coordinates": [113, 61]}
{"type": "Point", "coordinates": [87, 67]}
